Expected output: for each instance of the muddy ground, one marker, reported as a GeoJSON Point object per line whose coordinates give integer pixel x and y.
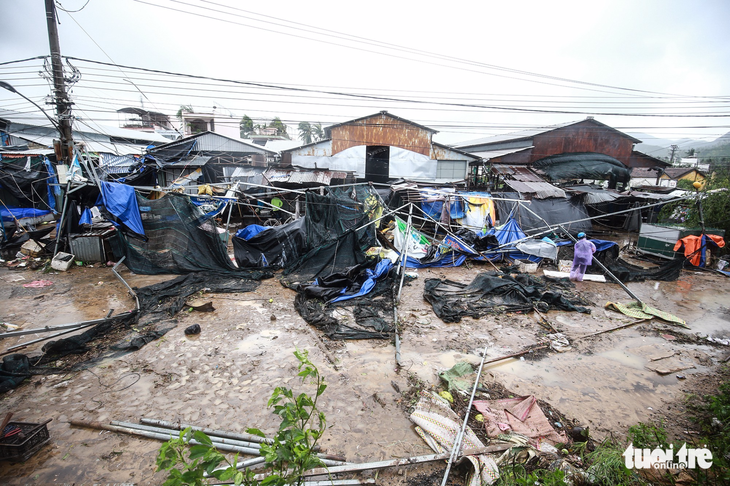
{"type": "Point", "coordinates": [223, 377]}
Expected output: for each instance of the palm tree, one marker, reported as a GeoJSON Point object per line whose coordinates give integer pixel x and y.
{"type": "Point", "coordinates": [317, 132]}
{"type": "Point", "coordinates": [305, 132]}
{"type": "Point", "coordinates": [246, 126]}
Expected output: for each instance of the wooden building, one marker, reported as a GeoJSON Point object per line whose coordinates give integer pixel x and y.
{"type": "Point", "coordinates": [381, 148]}
{"type": "Point", "coordinates": [583, 150]}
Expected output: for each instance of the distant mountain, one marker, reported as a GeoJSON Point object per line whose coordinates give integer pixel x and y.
{"type": "Point", "coordinates": [662, 148]}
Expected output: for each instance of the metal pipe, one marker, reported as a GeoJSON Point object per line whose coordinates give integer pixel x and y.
{"type": "Point", "coordinates": [75, 325]}
{"type": "Point", "coordinates": [603, 267]}
{"type": "Point", "coordinates": [161, 430]}
{"type": "Point", "coordinates": [241, 465]}
{"type": "Point", "coordinates": [22, 345]}
{"type": "Point", "coordinates": [406, 241]}
{"type": "Point", "coordinates": [131, 291]}
{"type": "Point", "coordinates": [457, 443]}
{"type": "Point", "coordinates": [158, 436]}
{"type": "Point", "coordinates": [365, 466]}
{"type": "Point", "coordinates": [219, 433]}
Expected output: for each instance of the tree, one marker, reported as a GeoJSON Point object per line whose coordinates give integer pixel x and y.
{"type": "Point", "coordinates": [280, 127]}
{"type": "Point", "coordinates": [317, 132]}
{"type": "Point", "coordinates": [305, 132]}
{"type": "Point", "coordinates": [184, 109]}
{"type": "Point", "coordinates": [690, 153]}
{"type": "Point", "coordinates": [246, 126]}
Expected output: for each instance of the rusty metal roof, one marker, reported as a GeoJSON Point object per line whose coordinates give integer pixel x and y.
{"type": "Point", "coordinates": [525, 181]}
{"type": "Point", "coordinates": [516, 172]}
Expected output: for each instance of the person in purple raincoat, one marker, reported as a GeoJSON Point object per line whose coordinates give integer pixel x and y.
{"type": "Point", "coordinates": [582, 257]}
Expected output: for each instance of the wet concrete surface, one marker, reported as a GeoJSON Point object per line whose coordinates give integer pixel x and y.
{"type": "Point", "coordinates": [223, 377]}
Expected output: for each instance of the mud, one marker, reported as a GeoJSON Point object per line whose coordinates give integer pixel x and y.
{"type": "Point", "coordinates": [223, 377]}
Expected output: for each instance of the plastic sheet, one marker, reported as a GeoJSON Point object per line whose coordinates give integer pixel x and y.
{"type": "Point", "coordinates": [274, 247]}
{"type": "Point", "coordinates": [490, 293]}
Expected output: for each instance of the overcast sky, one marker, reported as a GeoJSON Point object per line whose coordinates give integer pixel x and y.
{"type": "Point", "coordinates": [467, 69]}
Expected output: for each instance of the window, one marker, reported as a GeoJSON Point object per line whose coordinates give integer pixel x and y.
{"type": "Point", "coordinates": [451, 169]}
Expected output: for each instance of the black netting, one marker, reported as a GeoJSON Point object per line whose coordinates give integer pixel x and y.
{"type": "Point", "coordinates": [178, 239]}
{"type": "Point", "coordinates": [339, 211]}
{"type": "Point", "coordinates": [554, 211]}
{"type": "Point", "coordinates": [490, 293]}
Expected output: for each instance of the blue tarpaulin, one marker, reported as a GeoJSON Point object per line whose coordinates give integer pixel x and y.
{"type": "Point", "coordinates": [381, 269]}
{"type": "Point", "coordinates": [121, 201]}
{"type": "Point", "coordinates": [10, 213]}
{"type": "Point", "coordinates": [450, 259]}
{"type": "Point", "coordinates": [600, 244]}
{"type": "Point", "coordinates": [250, 231]}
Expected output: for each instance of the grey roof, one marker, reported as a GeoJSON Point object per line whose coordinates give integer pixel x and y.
{"type": "Point", "coordinates": [197, 161]}
{"type": "Point", "coordinates": [215, 142]}
{"type": "Point", "coordinates": [594, 195]}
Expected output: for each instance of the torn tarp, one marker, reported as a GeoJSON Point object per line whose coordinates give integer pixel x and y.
{"type": "Point", "coordinates": [490, 293]}
{"type": "Point", "coordinates": [121, 201]}
{"type": "Point", "coordinates": [365, 313]}
{"type": "Point", "coordinates": [274, 247]}
{"type": "Point", "coordinates": [521, 415]}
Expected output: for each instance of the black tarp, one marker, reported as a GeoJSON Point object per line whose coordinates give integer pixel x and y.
{"type": "Point", "coordinates": [586, 165]}
{"type": "Point", "coordinates": [275, 247]}
{"type": "Point", "coordinates": [553, 210]}
{"type": "Point", "coordinates": [372, 314]}
{"type": "Point", "coordinates": [492, 293]}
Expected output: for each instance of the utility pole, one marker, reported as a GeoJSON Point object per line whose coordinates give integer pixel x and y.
{"type": "Point", "coordinates": [64, 149]}
{"type": "Point", "coordinates": [671, 156]}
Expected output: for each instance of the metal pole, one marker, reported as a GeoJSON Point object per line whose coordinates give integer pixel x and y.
{"type": "Point", "coordinates": [129, 289]}
{"type": "Point", "coordinates": [457, 443]}
{"type": "Point", "coordinates": [608, 272]}
{"type": "Point", "coordinates": [158, 436]}
{"type": "Point", "coordinates": [215, 439]}
{"type": "Point", "coordinates": [404, 255]}
{"type": "Point", "coordinates": [219, 433]}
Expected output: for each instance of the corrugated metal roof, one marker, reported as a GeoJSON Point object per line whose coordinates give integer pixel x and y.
{"type": "Point", "coordinates": [594, 195]}
{"type": "Point", "coordinates": [541, 190]}
{"type": "Point", "coordinates": [532, 132]}
{"type": "Point", "coordinates": [294, 176]}
{"type": "Point", "coordinates": [215, 142]}
{"type": "Point", "coordinates": [91, 146]}
{"type": "Point", "coordinates": [197, 161]}
{"type": "Point", "coordinates": [491, 154]}
{"type": "Point", "coordinates": [517, 173]}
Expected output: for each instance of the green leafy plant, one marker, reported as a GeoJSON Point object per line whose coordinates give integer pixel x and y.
{"type": "Point", "coordinates": [288, 456]}
{"type": "Point", "coordinates": [648, 436]}
{"type": "Point", "coordinates": [202, 457]}
{"type": "Point", "coordinates": [292, 451]}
